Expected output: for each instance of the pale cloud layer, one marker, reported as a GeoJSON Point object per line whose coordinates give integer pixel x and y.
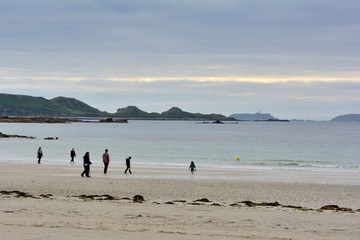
{"type": "Point", "coordinates": [294, 59]}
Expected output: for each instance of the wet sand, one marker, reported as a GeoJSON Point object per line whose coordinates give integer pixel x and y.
{"type": "Point", "coordinates": [54, 201]}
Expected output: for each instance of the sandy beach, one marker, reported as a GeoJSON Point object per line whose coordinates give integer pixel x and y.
{"type": "Point", "coordinates": [54, 202]}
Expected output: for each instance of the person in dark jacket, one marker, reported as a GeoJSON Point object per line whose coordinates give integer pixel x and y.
{"type": "Point", "coordinates": [86, 164]}
{"type": "Point", "coordinates": [192, 167]}
{"type": "Point", "coordinates": [72, 155]}
{"type": "Point", "coordinates": [128, 167]}
{"type": "Point", "coordinates": [39, 155]}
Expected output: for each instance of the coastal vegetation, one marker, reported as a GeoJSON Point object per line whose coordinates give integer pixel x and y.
{"type": "Point", "coordinates": [22, 105]}
{"type": "Point", "coordinates": [41, 109]}
{"type": "Point", "coordinates": [23, 108]}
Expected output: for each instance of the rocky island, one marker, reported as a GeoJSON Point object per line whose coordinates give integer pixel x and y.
{"type": "Point", "coordinates": [36, 120]}
{"type": "Point", "coordinates": [2, 135]}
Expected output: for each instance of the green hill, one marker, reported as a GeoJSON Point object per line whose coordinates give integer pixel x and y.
{"type": "Point", "coordinates": [29, 106]}
{"type": "Point", "coordinates": [21, 105]}
{"type": "Point", "coordinates": [173, 113]}
{"type": "Point", "coordinates": [135, 112]}
{"type": "Point", "coordinates": [177, 113]}
{"type": "Point", "coordinates": [76, 107]}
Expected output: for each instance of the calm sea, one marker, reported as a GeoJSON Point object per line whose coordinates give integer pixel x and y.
{"type": "Point", "coordinates": [314, 146]}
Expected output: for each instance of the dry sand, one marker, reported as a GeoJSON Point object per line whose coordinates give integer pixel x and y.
{"type": "Point", "coordinates": [55, 202]}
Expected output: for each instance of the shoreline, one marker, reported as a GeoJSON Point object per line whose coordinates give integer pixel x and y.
{"type": "Point", "coordinates": [244, 173]}
{"type": "Point", "coordinates": [48, 200]}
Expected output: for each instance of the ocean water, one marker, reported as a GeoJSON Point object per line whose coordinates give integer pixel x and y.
{"type": "Point", "coordinates": [300, 146]}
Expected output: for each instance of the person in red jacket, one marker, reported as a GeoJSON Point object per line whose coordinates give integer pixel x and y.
{"type": "Point", "coordinates": [106, 160]}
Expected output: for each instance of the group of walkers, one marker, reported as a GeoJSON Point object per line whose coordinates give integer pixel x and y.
{"type": "Point", "coordinates": [106, 161]}
{"type": "Point", "coordinates": [105, 158]}
{"type": "Point", "coordinates": [87, 162]}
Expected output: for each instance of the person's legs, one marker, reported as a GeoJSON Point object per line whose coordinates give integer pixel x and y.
{"type": "Point", "coordinates": [82, 174]}
{"type": "Point", "coordinates": [105, 167]}
{"type": "Point", "coordinates": [87, 170]}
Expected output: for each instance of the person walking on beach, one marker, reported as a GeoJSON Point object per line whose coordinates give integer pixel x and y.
{"type": "Point", "coordinates": [106, 160]}
{"type": "Point", "coordinates": [72, 155]}
{"type": "Point", "coordinates": [39, 155]}
{"type": "Point", "coordinates": [86, 164]}
{"type": "Point", "coordinates": [192, 167]}
{"type": "Point", "coordinates": [128, 167]}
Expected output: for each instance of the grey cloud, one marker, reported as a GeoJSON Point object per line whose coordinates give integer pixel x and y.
{"type": "Point", "coordinates": [103, 39]}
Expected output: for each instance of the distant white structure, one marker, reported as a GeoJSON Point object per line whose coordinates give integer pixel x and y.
{"type": "Point", "coordinates": [253, 117]}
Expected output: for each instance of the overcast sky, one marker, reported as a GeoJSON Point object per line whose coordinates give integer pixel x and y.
{"type": "Point", "coordinates": [295, 59]}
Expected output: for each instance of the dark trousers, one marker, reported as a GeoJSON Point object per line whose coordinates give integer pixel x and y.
{"type": "Point", "coordinates": [86, 171]}
{"type": "Point", "coordinates": [105, 167]}
{"type": "Point", "coordinates": [128, 168]}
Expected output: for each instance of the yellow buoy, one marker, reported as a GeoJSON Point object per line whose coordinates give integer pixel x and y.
{"type": "Point", "coordinates": [238, 158]}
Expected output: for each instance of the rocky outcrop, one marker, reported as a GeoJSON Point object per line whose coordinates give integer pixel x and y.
{"type": "Point", "coordinates": [2, 135]}
{"type": "Point", "coordinates": [36, 120]}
